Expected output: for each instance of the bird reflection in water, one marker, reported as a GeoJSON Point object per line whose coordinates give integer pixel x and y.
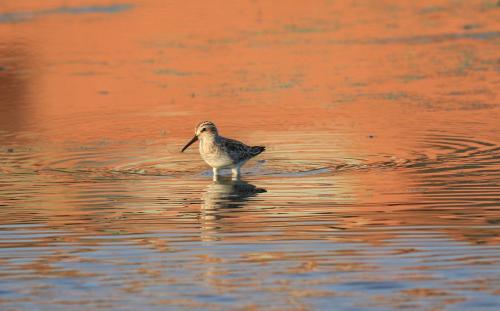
{"type": "Point", "coordinates": [219, 200]}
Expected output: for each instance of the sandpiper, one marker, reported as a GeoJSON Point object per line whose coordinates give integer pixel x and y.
{"type": "Point", "coordinates": [220, 152]}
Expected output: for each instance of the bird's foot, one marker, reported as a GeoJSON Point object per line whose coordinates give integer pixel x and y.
{"type": "Point", "coordinates": [215, 174]}
{"type": "Point", "coordinates": [235, 173]}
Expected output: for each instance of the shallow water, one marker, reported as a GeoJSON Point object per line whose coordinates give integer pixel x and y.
{"type": "Point", "coordinates": [379, 188]}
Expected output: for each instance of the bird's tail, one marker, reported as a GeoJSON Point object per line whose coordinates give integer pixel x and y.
{"type": "Point", "coordinates": [255, 150]}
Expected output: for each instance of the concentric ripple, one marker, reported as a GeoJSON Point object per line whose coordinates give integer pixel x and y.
{"type": "Point", "coordinates": [338, 229]}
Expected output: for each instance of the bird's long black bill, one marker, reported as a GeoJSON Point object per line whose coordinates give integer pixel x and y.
{"type": "Point", "coordinates": [195, 138]}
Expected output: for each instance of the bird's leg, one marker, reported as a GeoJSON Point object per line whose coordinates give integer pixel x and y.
{"type": "Point", "coordinates": [216, 172]}
{"type": "Point", "coordinates": [235, 172]}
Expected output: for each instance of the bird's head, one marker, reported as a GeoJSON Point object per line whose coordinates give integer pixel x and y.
{"type": "Point", "coordinates": [205, 129]}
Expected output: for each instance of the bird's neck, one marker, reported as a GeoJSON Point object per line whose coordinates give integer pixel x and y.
{"type": "Point", "coordinates": [207, 141]}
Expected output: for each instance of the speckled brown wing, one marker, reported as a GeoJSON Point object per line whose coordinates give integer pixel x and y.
{"type": "Point", "coordinates": [236, 150]}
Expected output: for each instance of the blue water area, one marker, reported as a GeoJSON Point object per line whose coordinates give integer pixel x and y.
{"type": "Point", "coordinates": [24, 16]}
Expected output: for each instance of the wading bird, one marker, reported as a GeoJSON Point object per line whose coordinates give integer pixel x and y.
{"type": "Point", "coordinates": [220, 152]}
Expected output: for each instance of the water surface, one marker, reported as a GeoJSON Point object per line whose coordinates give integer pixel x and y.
{"type": "Point", "coordinates": [379, 188]}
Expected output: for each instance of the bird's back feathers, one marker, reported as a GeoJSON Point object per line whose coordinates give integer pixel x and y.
{"type": "Point", "coordinates": [238, 151]}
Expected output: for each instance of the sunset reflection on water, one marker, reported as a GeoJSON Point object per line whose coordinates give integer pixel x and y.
{"type": "Point", "coordinates": [379, 187]}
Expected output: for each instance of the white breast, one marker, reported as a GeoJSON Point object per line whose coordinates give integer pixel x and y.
{"type": "Point", "coordinates": [214, 156]}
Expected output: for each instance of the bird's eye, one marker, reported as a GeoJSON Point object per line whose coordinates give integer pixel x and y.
{"type": "Point", "coordinates": [203, 130]}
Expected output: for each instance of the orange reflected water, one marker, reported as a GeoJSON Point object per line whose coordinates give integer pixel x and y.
{"type": "Point", "coordinates": [379, 187]}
